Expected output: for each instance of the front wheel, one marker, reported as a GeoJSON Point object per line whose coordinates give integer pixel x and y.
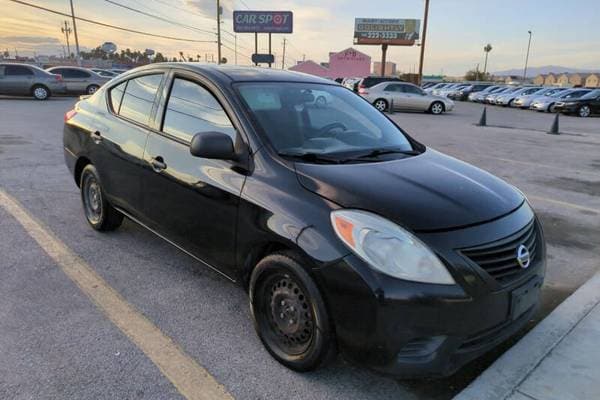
{"type": "Point", "coordinates": [92, 89]}
{"type": "Point", "coordinates": [551, 108]}
{"type": "Point", "coordinates": [289, 313]}
{"type": "Point", "coordinates": [584, 111]}
{"type": "Point", "coordinates": [436, 108]}
{"type": "Point", "coordinates": [98, 211]}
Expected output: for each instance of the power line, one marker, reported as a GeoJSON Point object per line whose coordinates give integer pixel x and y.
{"type": "Point", "coordinates": [182, 9]}
{"type": "Point", "coordinates": [109, 25]}
{"type": "Point", "coordinates": [159, 17]}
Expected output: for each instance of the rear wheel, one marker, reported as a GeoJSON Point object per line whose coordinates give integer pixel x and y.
{"type": "Point", "coordinates": [551, 108]}
{"type": "Point", "coordinates": [98, 211]}
{"type": "Point", "coordinates": [436, 108]}
{"type": "Point", "coordinates": [40, 92]}
{"type": "Point", "coordinates": [584, 111]}
{"type": "Point", "coordinates": [289, 313]}
{"type": "Point", "coordinates": [381, 104]}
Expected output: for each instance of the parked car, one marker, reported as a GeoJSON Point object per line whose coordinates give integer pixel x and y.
{"type": "Point", "coordinates": [491, 98]}
{"type": "Point", "coordinates": [425, 85]}
{"type": "Point", "coordinates": [454, 89]}
{"type": "Point", "coordinates": [80, 80]}
{"type": "Point", "coordinates": [506, 99]}
{"type": "Point", "coordinates": [479, 97]}
{"type": "Point", "coordinates": [29, 80]}
{"type": "Point", "coordinates": [412, 266]}
{"type": "Point", "coordinates": [405, 96]}
{"type": "Point", "coordinates": [584, 106]}
{"type": "Point", "coordinates": [371, 81]}
{"type": "Point", "coordinates": [104, 72]}
{"type": "Point", "coordinates": [525, 101]}
{"type": "Point", "coordinates": [463, 93]}
{"type": "Point", "coordinates": [547, 103]}
{"type": "Point", "coordinates": [439, 85]}
{"type": "Point", "coordinates": [118, 71]}
{"type": "Point", "coordinates": [348, 83]}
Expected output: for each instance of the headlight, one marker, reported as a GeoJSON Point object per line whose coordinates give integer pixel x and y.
{"type": "Point", "coordinates": [389, 248]}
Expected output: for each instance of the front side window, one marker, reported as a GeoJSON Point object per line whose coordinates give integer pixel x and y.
{"type": "Point", "coordinates": [17, 70]}
{"type": "Point", "coordinates": [138, 98]}
{"type": "Point", "coordinates": [191, 109]}
{"type": "Point", "coordinates": [289, 116]}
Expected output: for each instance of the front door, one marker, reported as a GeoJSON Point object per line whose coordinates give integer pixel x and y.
{"type": "Point", "coordinates": [193, 201]}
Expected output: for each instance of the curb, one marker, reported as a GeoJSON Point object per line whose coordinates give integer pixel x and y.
{"type": "Point", "coordinates": [502, 378]}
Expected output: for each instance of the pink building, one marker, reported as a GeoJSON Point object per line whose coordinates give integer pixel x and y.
{"type": "Point", "coordinates": [346, 63]}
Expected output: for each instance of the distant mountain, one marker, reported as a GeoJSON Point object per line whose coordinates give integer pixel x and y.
{"type": "Point", "coordinates": [534, 71]}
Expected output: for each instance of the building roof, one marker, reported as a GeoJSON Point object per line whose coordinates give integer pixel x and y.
{"type": "Point", "coordinates": [331, 54]}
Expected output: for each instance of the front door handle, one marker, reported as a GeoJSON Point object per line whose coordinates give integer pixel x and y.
{"type": "Point", "coordinates": [158, 164]}
{"type": "Point", "coordinates": [96, 137]}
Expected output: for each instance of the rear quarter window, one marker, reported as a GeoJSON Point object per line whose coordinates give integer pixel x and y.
{"type": "Point", "coordinates": [116, 95]}
{"type": "Point", "coordinates": [138, 99]}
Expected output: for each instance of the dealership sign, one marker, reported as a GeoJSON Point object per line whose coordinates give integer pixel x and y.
{"type": "Point", "coordinates": [263, 21]}
{"type": "Point", "coordinates": [401, 32]}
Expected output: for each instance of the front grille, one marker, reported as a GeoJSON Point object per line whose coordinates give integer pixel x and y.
{"type": "Point", "coordinates": [499, 258]}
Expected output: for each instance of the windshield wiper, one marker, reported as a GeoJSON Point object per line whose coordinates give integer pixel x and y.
{"type": "Point", "coordinates": [383, 151]}
{"type": "Point", "coordinates": [311, 157]}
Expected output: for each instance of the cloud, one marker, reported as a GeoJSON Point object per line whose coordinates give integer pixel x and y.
{"type": "Point", "coordinates": [30, 39]}
{"type": "Point", "coordinates": [209, 7]}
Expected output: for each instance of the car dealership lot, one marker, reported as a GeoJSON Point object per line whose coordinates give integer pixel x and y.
{"type": "Point", "coordinates": [55, 343]}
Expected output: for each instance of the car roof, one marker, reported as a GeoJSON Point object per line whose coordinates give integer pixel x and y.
{"type": "Point", "coordinates": [229, 74]}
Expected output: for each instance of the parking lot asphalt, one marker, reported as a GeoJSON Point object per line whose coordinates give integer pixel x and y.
{"type": "Point", "coordinates": [57, 343]}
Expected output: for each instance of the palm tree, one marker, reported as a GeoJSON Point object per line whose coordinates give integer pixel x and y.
{"type": "Point", "coordinates": [486, 49]}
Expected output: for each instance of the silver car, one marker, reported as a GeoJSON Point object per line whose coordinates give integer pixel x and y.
{"type": "Point", "coordinates": [508, 98]}
{"type": "Point", "coordinates": [405, 96]}
{"type": "Point", "coordinates": [29, 80]}
{"type": "Point", "coordinates": [104, 72]}
{"type": "Point", "coordinates": [80, 80]}
{"type": "Point", "coordinates": [547, 103]}
{"type": "Point", "coordinates": [523, 101]}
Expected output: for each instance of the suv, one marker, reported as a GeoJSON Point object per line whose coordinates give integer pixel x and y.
{"type": "Point", "coordinates": [370, 81]}
{"type": "Point", "coordinates": [29, 80]}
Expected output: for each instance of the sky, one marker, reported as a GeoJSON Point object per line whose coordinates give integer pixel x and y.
{"type": "Point", "coordinates": [565, 33]}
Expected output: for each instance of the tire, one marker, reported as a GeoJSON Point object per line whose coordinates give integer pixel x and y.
{"type": "Point", "coordinates": [90, 90]}
{"type": "Point", "coordinates": [436, 108]}
{"type": "Point", "coordinates": [584, 111]}
{"type": "Point", "coordinates": [381, 104]}
{"type": "Point", "coordinates": [40, 92]}
{"type": "Point", "coordinates": [98, 211]}
{"type": "Point", "coordinates": [289, 313]}
{"type": "Point", "coordinates": [510, 103]}
{"type": "Point", "coordinates": [321, 101]}
{"type": "Point", "coordinates": [551, 108]}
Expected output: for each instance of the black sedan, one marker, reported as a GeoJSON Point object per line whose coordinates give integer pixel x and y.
{"type": "Point", "coordinates": [348, 234]}
{"type": "Point", "coordinates": [584, 106]}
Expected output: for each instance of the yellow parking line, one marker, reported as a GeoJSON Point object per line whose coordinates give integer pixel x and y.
{"type": "Point", "coordinates": [190, 379]}
{"type": "Point", "coordinates": [563, 203]}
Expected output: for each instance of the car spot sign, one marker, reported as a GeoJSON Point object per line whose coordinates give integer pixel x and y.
{"type": "Point", "coordinates": [263, 21]}
{"type": "Point", "coordinates": [394, 31]}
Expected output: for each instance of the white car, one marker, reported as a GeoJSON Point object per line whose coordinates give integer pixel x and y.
{"type": "Point", "coordinates": [405, 96]}
{"type": "Point", "coordinates": [525, 101]}
{"type": "Point", "coordinates": [508, 98]}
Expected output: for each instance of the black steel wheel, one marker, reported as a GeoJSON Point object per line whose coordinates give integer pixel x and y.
{"type": "Point", "coordinates": [289, 313]}
{"type": "Point", "coordinates": [98, 212]}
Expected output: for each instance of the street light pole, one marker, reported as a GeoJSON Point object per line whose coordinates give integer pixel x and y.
{"type": "Point", "coordinates": [423, 41]}
{"type": "Point", "coordinates": [67, 31]}
{"type": "Point", "coordinates": [527, 57]}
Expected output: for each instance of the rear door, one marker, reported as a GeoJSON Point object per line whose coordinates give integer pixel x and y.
{"type": "Point", "coordinates": [394, 92]}
{"type": "Point", "coordinates": [76, 80]}
{"type": "Point", "coordinates": [192, 200]}
{"type": "Point", "coordinates": [119, 140]}
{"type": "Point", "coordinates": [417, 100]}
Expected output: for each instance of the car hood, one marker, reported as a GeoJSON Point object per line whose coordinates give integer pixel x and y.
{"type": "Point", "coordinates": [427, 192]}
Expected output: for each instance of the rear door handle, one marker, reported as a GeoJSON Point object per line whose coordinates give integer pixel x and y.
{"type": "Point", "coordinates": [158, 164]}
{"type": "Point", "coordinates": [96, 137]}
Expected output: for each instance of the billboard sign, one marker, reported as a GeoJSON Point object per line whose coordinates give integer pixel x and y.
{"type": "Point", "coordinates": [263, 21]}
{"type": "Point", "coordinates": [263, 58]}
{"type": "Point", "coordinates": [402, 32]}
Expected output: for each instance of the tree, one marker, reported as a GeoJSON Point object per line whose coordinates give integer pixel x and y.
{"type": "Point", "coordinates": [159, 57]}
{"type": "Point", "coordinates": [476, 75]}
{"type": "Point", "coordinates": [486, 49]}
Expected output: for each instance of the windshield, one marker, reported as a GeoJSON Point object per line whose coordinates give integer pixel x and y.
{"type": "Point", "coordinates": [300, 119]}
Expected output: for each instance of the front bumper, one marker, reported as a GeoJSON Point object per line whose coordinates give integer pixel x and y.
{"type": "Point", "coordinates": [413, 329]}
{"type": "Point", "coordinates": [539, 106]}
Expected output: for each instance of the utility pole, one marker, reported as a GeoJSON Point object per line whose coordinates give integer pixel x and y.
{"type": "Point", "coordinates": [67, 31]}
{"type": "Point", "coordinates": [283, 56]}
{"type": "Point", "coordinates": [219, 31]}
{"type": "Point", "coordinates": [75, 32]}
{"type": "Point", "coordinates": [423, 41]}
{"type": "Point", "coordinates": [527, 58]}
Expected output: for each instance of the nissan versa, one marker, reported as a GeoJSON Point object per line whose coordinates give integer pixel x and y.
{"type": "Point", "coordinates": [348, 234]}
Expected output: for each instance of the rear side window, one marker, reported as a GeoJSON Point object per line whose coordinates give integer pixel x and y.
{"type": "Point", "coordinates": [116, 95]}
{"type": "Point", "coordinates": [411, 89]}
{"type": "Point", "coordinates": [192, 109]}
{"type": "Point", "coordinates": [17, 70]}
{"type": "Point", "coordinates": [138, 99]}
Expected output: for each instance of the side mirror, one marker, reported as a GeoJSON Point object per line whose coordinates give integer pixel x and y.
{"type": "Point", "coordinates": [217, 145]}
